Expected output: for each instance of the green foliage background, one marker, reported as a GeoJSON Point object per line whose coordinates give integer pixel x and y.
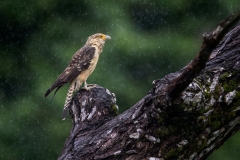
{"type": "Point", "coordinates": [38, 38]}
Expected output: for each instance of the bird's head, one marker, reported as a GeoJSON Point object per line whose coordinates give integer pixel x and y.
{"type": "Point", "coordinates": [98, 39]}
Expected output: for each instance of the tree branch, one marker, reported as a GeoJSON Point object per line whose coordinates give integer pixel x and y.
{"type": "Point", "coordinates": [182, 117]}
{"type": "Point", "coordinates": [210, 42]}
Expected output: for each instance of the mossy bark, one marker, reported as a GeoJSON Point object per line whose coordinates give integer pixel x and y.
{"type": "Point", "coordinates": [189, 123]}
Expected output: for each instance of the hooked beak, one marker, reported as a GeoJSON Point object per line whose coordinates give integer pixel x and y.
{"type": "Point", "coordinates": [108, 37]}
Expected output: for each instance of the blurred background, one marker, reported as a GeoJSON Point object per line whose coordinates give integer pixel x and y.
{"type": "Point", "coordinates": [38, 38]}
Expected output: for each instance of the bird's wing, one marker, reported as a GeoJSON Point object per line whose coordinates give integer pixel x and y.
{"type": "Point", "coordinates": [81, 60]}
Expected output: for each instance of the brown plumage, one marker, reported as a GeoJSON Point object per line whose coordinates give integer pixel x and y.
{"type": "Point", "coordinates": [80, 67]}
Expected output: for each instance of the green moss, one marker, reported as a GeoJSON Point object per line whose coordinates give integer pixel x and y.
{"type": "Point", "coordinates": [237, 95]}
{"type": "Point", "coordinates": [200, 119]}
{"type": "Point", "coordinates": [216, 92]}
{"type": "Point", "coordinates": [224, 76]}
{"type": "Point", "coordinates": [172, 129]}
{"type": "Point", "coordinates": [206, 82]}
{"type": "Point", "coordinates": [182, 106]}
{"type": "Point", "coordinates": [215, 119]}
{"type": "Point", "coordinates": [179, 149]}
{"type": "Point", "coordinates": [203, 144]}
{"type": "Point", "coordinates": [162, 132]}
{"type": "Point", "coordinates": [230, 116]}
{"type": "Point", "coordinates": [201, 125]}
{"type": "Point", "coordinates": [114, 108]}
{"type": "Point", "coordinates": [230, 86]}
{"type": "Point", "coordinates": [201, 111]}
{"type": "Point", "coordinates": [171, 153]}
{"type": "Point", "coordinates": [236, 101]}
{"type": "Point", "coordinates": [207, 95]}
{"type": "Point", "coordinates": [234, 72]}
{"type": "Point", "coordinates": [215, 125]}
{"type": "Point", "coordinates": [199, 83]}
{"type": "Point", "coordinates": [193, 104]}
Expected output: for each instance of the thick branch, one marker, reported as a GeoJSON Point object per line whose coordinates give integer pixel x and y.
{"type": "Point", "coordinates": [210, 42]}
{"type": "Point", "coordinates": [188, 125]}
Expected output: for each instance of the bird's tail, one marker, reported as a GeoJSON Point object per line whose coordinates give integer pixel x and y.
{"type": "Point", "coordinates": [68, 101]}
{"type": "Point", "coordinates": [50, 90]}
{"type": "Point", "coordinates": [57, 85]}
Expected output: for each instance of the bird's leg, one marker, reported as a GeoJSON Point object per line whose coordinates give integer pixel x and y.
{"type": "Point", "coordinates": [68, 100]}
{"type": "Point", "coordinates": [85, 86]}
{"type": "Point", "coordinates": [89, 86]}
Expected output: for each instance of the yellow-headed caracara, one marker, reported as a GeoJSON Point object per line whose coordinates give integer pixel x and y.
{"type": "Point", "coordinates": [80, 67]}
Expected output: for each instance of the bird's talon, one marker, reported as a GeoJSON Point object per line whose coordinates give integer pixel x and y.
{"type": "Point", "coordinates": [92, 85]}
{"type": "Point", "coordinates": [85, 88]}
{"type": "Point", "coordinates": [89, 86]}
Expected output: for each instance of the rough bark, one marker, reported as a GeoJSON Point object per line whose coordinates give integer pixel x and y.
{"type": "Point", "coordinates": [187, 115]}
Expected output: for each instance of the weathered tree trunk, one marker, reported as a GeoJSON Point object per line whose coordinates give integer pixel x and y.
{"type": "Point", "coordinates": [186, 115]}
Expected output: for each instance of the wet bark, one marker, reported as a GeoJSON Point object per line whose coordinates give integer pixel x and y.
{"type": "Point", "coordinates": [186, 115]}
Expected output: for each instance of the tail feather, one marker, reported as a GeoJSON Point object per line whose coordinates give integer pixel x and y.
{"type": "Point", "coordinates": [57, 85]}
{"type": "Point", "coordinates": [56, 91]}
{"type": "Point", "coordinates": [47, 92]}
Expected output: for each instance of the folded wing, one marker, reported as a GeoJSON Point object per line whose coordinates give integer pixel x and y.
{"type": "Point", "coordinates": [81, 60]}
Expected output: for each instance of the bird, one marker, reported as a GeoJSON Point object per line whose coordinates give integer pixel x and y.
{"type": "Point", "coordinates": [81, 66]}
